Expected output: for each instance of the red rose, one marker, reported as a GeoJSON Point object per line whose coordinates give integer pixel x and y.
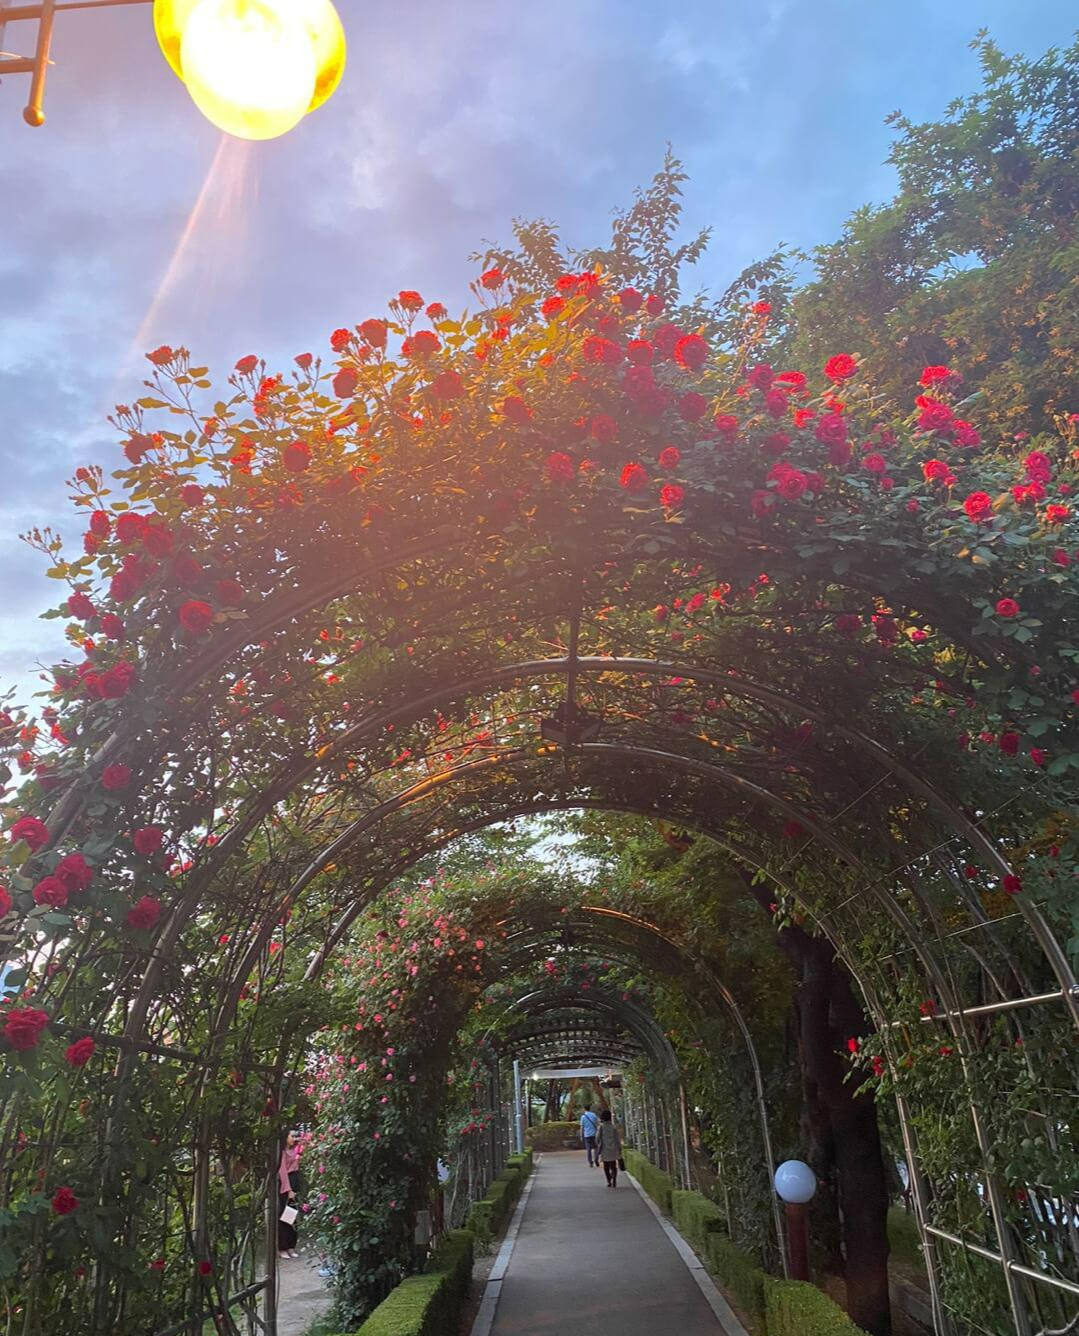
{"type": "Point", "coordinates": [874, 463]}
{"type": "Point", "coordinates": [303, 360]}
{"type": "Point", "coordinates": [775, 444]}
{"type": "Point", "coordinates": [934, 375]}
{"type": "Point", "coordinates": [560, 467]}
{"type": "Point", "coordinates": [775, 401]}
{"type": "Point", "coordinates": [603, 428]}
{"type": "Point", "coordinates": [935, 470]}
{"type": "Point", "coordinates": [50, 891]}
{"type": "Point", "coordinates": [345, 382]}
{"type": "Point", "coordinates": [296, 457]}
{"type": "Point", "coordinates": [340, 339]}
{"type": "Point", "coordinates": [840, 367]}
{"type": "Point", "coordinates": [99, 523]}
{"type": "Point", "coordinates": [23, 1027]}
{"type": "Point", "coordinates": [831, 429]}
{"type": "Point", "coordinates": [726, 425]}
{"type": "Point", "coordinates": [147, 840]}
{"type": "Point", "coordinates": [161, 356]}
{"type": "Point", "coordinates": [654, 305]}
{"type": "Point", "coordinates": [81, 606]}
{"type": "Point", "coordinates": [634, 478]}
{"type": "Point", "coordinates": [436, 311]}
{"type": "Point", "coordinates": [247, 364]}
{"type": "Point", "coordinates": [1039, 755]}
{"type": "Point", "coordinates": [447, 385]}
{"type": "Point", "coordinates": [65, 1201]}
{"type": "Point", "coordinates": [230, 592]}
{"type": "Point", "coordinates": [885, 627]}
{"type": "Point", "coordinates": [411, 301]}
{"type": "Point", "coordinates": [515, 409]}
{"type": "Point", "coordinates": [192, 494]}
{"type": "Point", "coordinates": [143, 916]}
{"type": "Point", "coordinates": [1007, 607]}
{"type": "Point", "coordinates": [692, 406]}
{"type": "Point", "coordinates": [130, 528]}
{"type": "Point", "coordinates": [1012, 884]}
{"type": "Point", "coordinates": [31, 831]}
{"type": "Point", "coordinates": [665, 338]}
{"type": "Point", "coordinates": [80, 1052]}
{"type": "Point", "coordinates": [422, 344]}
{"type": "Point", "coordinates": [935, 416]}
{"type": "Point", "coordinates": [493, 278]}
{"type": "Point", "coordinates": [158, 540]}
{"type": "Point", "coordinates": [1039, 467]}
{"type": "Point", "coordinates": [793, 484]}
{"type": "Point", "coordinates": [978, 505]}
{"type": "Point", "coordinates": [552, 306]}
{"type": "Point", "coordinates": [74, 873]}
{"type": "Point", "coordinates": [207, 1268]}
{"type": "Point", "coordinates": [760, 377]}
{"type": "Point", "coordinates": [669, 457]}
{"type": "Point", "coordinates": [691, 352]}
{"type": "Point", "coordinates": [639, 380]}
{"type": "Point", "coordinates": [761, 308]}
{"type": "Point", "coordinates": [1009, 743]}
{"type": "Point", "coordinates": [630, 300]}
{"type": "Point", "coordinates": [5, 903]}
{"type": "Point", "coordinates": [964, 434]}
{"type": "Point", "coordinates": [115, 777]}
{"type": "Point", "coordinates": [196, 617]}
{"type": "Point", "coordinates": [1056, 514]}
{"type": "Point", "coordinates": [601, 351]}
{"type": "Point", "coordinates": [118, 680]}
{"type": "Point", "coordinates": [374, 331]}
{"type": "Point", "coordinates": [671, 496]}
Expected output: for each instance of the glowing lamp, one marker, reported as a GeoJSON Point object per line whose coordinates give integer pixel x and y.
{"type": "Point", "coordinates": [254, 68]}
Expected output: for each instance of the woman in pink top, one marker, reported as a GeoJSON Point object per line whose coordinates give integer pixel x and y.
{"type": "Point", "coordinates": [288, 1183]}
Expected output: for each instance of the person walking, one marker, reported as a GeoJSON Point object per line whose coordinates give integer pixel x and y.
{"type": "Point", "coordinates": [589, 1128]}
{"type": "Point", "coordinates": [609, 1147]}
{"type": "Point", "coordinates": [288, 1185]}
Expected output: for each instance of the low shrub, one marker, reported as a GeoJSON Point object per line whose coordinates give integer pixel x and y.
{"type": "Point", "coordinates": [739, 1274]}
{"type": "Point", "coordinates": [696, 1216]}
{"type": "Point", "coordinates": [793, 1308]}
{"type": "Point", "coordinates": [655, 1182]}
{"type": "Point", "coordinates": [487, 1217]}
{"type": "Point", "coordinates": [904, 1238]}
{"type": "Point", "coordinates": [554, 1136]}
{"type": "Point", "coordinates": [431, 1303]}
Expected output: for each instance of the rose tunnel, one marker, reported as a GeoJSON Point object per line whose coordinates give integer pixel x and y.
{"type": "Point", "coordinates": [327, 638]}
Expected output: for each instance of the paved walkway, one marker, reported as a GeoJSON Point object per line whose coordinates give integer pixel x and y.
{"type": "Point", "coordinates": [589, 1259]}
{"type": "Point", "coordinates": [303, 1294]}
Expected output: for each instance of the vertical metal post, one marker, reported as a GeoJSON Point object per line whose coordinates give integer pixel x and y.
{"type": "Point", "coordinates": [269, 1294]}
{"type": "Point", "coordinates": [685, 1136]}
{"type": "Point", "coordinates": [518, 1113]}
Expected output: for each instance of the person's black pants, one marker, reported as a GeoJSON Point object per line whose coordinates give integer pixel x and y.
{"type": "Point", "coordinates": [610, 1168]}
{"type": "Point", "coordinates": [286, 1234]}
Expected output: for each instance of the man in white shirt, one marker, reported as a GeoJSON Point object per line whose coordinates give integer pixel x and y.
{"type": "Point", "coordinates": [589, 1128]}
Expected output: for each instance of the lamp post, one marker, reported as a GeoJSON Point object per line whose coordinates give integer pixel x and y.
{"type": "Point", "coordinates": [796, 1184]}
{"type": "Point", "coordinates": [254, 68]}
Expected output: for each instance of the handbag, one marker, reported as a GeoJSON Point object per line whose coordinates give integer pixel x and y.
{"type": "Point", "coordinates": [621, 1164]}
{"type": "Point", "coordinates": [289, 1214]}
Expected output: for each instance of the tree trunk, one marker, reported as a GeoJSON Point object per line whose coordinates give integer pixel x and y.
{"type": "Point", "coordinates": [840, 1122]}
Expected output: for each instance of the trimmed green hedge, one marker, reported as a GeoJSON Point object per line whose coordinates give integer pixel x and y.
{"type": "Point", "coordinates": [431, 1303]}
{"type": "Point", "coordinates": [553, 1136]}
{"type": "Point", "coordinates": [738, 1272]}
{"type": "Point", "coordinates": [769, 1306]}
{"type": "Point", "coordinates": [487, 1217]}
{"type": "Point", "coordinates": [655, 1182]}
{"type": "Point", "coordinates": [793, 1308]}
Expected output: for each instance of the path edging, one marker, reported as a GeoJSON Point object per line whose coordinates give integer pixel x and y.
{"type": "Point", "coordinates": [485, 1317]}
{"type": "Point", "coordinates": [713, 1296]}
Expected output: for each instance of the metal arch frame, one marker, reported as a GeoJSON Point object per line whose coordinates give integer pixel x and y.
{"type": "Point", "coordinates": [720, 989]}
{"type": "Point", "coordinates": [538, 668]}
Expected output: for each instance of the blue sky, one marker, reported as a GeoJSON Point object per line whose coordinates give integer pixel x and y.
{"type": "Point", "coordinates": [127, 221]}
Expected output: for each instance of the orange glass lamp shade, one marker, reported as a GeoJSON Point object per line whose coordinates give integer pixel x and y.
{"type": "Point", "coordinates": [254, 68]}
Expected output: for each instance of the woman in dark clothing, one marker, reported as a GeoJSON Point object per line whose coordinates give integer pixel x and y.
{"type": "Point", "coordinates": [609, 1147]}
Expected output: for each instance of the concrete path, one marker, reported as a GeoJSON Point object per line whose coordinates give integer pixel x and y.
{"type": "Point", "coordinates": [591, 1259]}
{"type": "Point", "coordinates": [303, 1294]}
